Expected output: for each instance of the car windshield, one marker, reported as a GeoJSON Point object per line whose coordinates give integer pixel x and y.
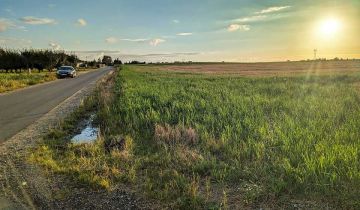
{"type": "Point", "coordinates": [65, 68]}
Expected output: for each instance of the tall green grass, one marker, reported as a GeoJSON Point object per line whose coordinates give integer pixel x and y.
{"type": "Point", "coordinates": [293, 136]}
{"type": "Point", "coordinates": [203, 141]}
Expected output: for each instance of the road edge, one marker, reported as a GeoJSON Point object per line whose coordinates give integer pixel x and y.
{"type": "Point", "coordinates": [14, 171]}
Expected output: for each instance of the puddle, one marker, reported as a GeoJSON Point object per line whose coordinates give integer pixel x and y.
{"type": "Point", "coordinates": [88, 135]}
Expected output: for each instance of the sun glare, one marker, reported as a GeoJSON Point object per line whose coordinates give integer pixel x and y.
{"type": "Point", "coordinates": [329, 28]}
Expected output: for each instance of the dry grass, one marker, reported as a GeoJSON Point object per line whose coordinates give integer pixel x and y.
{"type": "Point", "coordinates": [270, 69]}
{"type": "Point", "coordinates": [13, 81]}
{"type": "Point", "coordinates": [172, 135]}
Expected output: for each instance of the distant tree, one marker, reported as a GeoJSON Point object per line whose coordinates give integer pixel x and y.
{"type": "Point", "coordinates": [117, 61]}
{"type": "Point", "coordinates": [107, 60]}
{"type": "Point", "coordinates": [72, 60]}
{"type": "Point", "coordinates": [92, 63]}
{"type": "Point", "coordinates": [31, 58]}
{"type": "Point", "coordinates": [137, 62]}
{"type": "Point", "coordinates": [11, 60]}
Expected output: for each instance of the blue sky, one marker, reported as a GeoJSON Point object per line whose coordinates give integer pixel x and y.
{"type": "Point", "coordinates": [168, 30]}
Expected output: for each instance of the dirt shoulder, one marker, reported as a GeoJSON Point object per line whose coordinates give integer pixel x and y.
{"type": "Point", "coordinates": [27, 186]}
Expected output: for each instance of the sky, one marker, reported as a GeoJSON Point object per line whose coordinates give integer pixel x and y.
{"type": "Point", "coordinates": [196, 30]}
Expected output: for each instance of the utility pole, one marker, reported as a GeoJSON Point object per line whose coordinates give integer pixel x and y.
{"type": "Point", "coordinates": [315, 54]}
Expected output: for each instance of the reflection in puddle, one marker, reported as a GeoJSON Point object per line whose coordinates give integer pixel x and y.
{"type": "Point", "coordinates": [88, 135]}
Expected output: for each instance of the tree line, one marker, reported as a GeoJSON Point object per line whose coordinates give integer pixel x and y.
{"type": "Point", "coordinates": [18, 60]}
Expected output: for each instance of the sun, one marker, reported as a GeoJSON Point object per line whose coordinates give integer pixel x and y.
{"type": "Point", "coordinates": [329, 28]}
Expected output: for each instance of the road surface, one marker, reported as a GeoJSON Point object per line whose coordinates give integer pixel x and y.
{"type": "Point", "coordinates": [21, 108]}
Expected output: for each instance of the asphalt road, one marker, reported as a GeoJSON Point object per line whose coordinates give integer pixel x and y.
{"type": "Point", "coordinates": [21, 108]}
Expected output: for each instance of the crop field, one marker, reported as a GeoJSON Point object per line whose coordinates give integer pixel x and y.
{"type": "Point", "coordinates": [216, 136]}
{"type": "Point", "coordinates": [12, 81]}
{"type": "Point", "coordinates": [271, 69]}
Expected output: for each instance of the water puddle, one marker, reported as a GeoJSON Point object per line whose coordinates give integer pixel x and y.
{"type": "Point", "coordinates": [88, 135]}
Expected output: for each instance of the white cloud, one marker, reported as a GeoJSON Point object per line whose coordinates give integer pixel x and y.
{"type": "Point", "coordinates": [235, 27]}
{"type": "Point", "coordinates": [176, 21]}
{"type": "Point", "coordinates": [111, 40]}
{"type": "Point", "coordinates": [37, 21]}
{"type": "Point", "coordinates": [184, 34]}
{"type": "Point", "coordinates": [272, 9]}
{"type": "Point", "coordinates": [81, 22]}
{"type": "Point", "coordinates": [135, 40]}
{"type": "Point", "coordinates": [261, 15]}
{"type": "Point", "coordinates": [156, 42]}
{"type": "Point", "coordinates": [5, 24]}
{"type": "Point", "coordinates": [251, 18]}
{"type": "Point", "coordinates": [23, 28]}
{"type": "Point", "coordinates": [55, 46]}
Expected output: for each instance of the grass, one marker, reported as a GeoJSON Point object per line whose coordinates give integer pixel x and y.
{"type": "Point", "coordinates": [12, 81]}
{"type": "Point", "coordinates": [202, 141]}
{"type": "Point", "coordinates": [87, 164]}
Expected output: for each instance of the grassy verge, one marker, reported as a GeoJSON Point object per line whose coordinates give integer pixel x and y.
{"type": "Point", "coordinates": [12, 81]}
{"type": "Point", "coordinates": [202, 141]}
